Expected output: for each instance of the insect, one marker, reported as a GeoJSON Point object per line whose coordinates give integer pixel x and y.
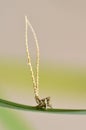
{"type": "Point", "coordinates": [45, 102]}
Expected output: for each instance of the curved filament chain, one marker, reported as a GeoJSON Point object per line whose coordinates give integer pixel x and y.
{"type": "Point", "coordinates": [35, 81]}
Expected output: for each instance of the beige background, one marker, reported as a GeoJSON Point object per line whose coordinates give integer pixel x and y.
{"type": "Point", "coordinates": [61, 29]}
{"type": "Point", "coordinates": [60, 26]}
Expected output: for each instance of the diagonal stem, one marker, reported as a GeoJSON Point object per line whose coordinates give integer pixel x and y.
{"type": "Point", "coordinates": [17, 106]}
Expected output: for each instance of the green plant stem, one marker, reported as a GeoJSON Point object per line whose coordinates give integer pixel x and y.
{"type": "Point", "coordinates": [13, 105]}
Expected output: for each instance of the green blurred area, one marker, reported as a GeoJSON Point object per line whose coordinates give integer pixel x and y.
{"type": "Point", "coordinates": [60, 78]}
{"type": "Point", "coordinates": [57, 80]}
{"type": "Point", "coordinates": [10, 76]}
{"type": "Point", "coordinates": [11, 121]}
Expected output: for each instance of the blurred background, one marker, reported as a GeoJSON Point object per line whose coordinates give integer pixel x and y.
{"type": "Point", "coordinates": [60, 27]}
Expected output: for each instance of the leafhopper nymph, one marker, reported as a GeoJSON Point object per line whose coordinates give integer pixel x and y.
{"type": "Point", "coordinates": [45, 102]}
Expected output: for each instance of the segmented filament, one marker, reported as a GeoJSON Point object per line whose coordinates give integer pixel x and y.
{"type": "Point", "coordinates": [34, 80]}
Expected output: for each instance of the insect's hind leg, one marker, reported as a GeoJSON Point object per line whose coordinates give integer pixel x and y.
{"type": "Point", "coordinates": [48, 102]}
